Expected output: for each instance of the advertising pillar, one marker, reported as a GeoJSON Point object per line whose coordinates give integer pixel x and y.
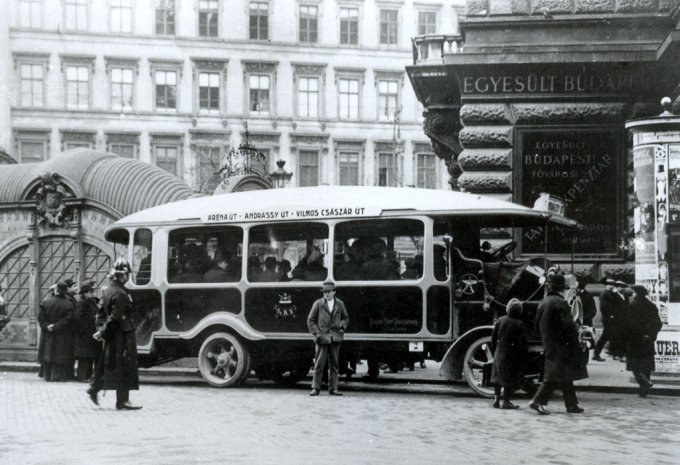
{"type": "Point", "coordinates": [656, 163]}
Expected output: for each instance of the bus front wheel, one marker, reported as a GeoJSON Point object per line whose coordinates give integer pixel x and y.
{"type": "Point", "coordinates": [477, 366]}
{"type": "Point", "coordinates": [223, 360]}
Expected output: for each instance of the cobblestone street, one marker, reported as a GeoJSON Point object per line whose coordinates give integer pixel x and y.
{"type": "Point", "coordinates": [55, 423]}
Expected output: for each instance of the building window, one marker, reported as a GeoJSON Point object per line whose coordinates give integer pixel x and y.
{"type": "Point", "coordinates": [209, 92]}
{"type": "Point", "coordinates": [208, 153]}
{"type": "Point", "coordinates": [77, 86]}
{"type": "Point", "coordinates": [387, 169]}
{"type": "Point", "coordinates": [76, 15]}
{"type": "Point", "coordinates": [308, 23]}
{"type": "Point", "coordinates": [349, 168]}
{"type": "Point", "coordinates": [208, 15]}
{"type": "Point", "coordinates": [308, 97]}
{"type": "Point", "coordinates": [426, 170]}
{"type": "Point", "coordinates": [259, 20]}
{"type": "Point", "coordinates": [427, 22]}
{"type": "Point", "coordinates": [30, 14]}
{"type": "Point", "coordinates": [388, 97]}
{"type": "Point", "coordinates": [166, 152]}
{"type": "Point", "coordinates": [74, 140]}
{"type": "Point", "coordinates": [166, 90]}
{"type": "Point", "coordinates": [259, 93]}
{"type": "Point", "coordinates": [349, 98]}
{"type": "Point", "coordinates": [32, 146]}
{"type": "Point", "coordinates": [121, 88]}
{"type": "Point", "coordinates": [308, 168]}
{"type": "Point", "coordinates": [32, 85]}
{"type": "Point", "coordinates": [121, 15]}
{"type": "Point", "coordinates": [165, 17]}
{"type": "Point", "coordinates": [389, 27]}
{"type": "Point", "coordinates": [123, 144]}
{"type": "Point", "coordinates": [349, 26]}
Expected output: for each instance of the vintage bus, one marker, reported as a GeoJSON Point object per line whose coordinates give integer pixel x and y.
{"type": "Point", "coordinates": [230, 278]}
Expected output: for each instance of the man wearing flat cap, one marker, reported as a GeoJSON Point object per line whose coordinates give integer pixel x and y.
{"type": "Point", "coordinates": [55, 319]}
{"type": "Point", "coordinates": [644, 325]}
{"type": "Point", "coordinates": [327, 322]}
{"type": "Point", "coordinates": [561, 348]}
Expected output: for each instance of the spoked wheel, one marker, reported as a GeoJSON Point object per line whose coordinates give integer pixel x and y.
{"type": "Point", "coordinates": [478, 359]}
{"type": "Point", "coordinates": [290, 377]}
{"type": "Point", "coordinates": [223, 360]}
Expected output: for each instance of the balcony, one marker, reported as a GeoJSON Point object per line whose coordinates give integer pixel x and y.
{"type": "Point", "coordinates": [433, 49]}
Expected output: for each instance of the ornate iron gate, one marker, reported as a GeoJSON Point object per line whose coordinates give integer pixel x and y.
{"type": "Point", "coordinates": [57, 261]}
{"type": "Point", "coordinates": [16, 269]}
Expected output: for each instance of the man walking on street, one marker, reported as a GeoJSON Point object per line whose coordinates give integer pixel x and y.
{"type": "Point", "coordinates": [563, 360]}
{"type": "Point", "coordinates": [608, 302]}
{"type": "Point", "coordinates": [117, 367]}
{"type": "Point", "coordinates": [327, 321]}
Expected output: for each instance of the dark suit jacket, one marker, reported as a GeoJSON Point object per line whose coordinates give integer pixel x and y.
{"type": "Point", "coordinates": [327, 327]}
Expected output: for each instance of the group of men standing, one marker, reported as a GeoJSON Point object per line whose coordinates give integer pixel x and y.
{"type": "Point", "coordinates": [100, 339]}
{"type": "Point", "coordinates": [67, 317]}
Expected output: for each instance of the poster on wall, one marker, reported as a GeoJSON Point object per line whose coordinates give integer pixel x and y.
{"type": "Point", "coordinates": [579, 167]}
{"type": "Point", "coordinates": [644, 213]}
{"type": "Point", "coordinates": [667, 352]}
{"type": "Point", "coordinates": [674, 183]}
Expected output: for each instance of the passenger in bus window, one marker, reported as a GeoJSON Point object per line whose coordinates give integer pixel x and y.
{"type": "Point", "coordinates": [234, 269]}
{"type": "Point", "coordinates": [191, 272]}
{"type": "Point", "coordinates": [144, 272]}
{"type": "Point", "coordinates": [283, 270]}
{"type": "Point", "coordinates": [269, 274]}
{"type": "Point", "coordinates": [414, 268]}
{"type": "Point", "coordinates": [439, 265]}
{"type": "Point", "coordinates": [350, 269]}
{"type": "Point", "coordinates": [217, 274]}
{"type": "Point", "coordinates": [378, 266]}
{"type": "Point", "coordinates": [254, 268]}
{"type": "Point", "coordinates": [315, 270]}
{"type": "Point", "coordinates": [298, 272]}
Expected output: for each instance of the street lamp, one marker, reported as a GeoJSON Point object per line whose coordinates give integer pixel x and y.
{"type": "Point", "coordinates": [280, 177]}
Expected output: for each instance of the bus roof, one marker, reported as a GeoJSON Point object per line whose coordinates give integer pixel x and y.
{"type": "Point", "coordinates": [323, 202]}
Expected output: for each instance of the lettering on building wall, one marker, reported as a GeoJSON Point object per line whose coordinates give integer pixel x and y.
{"type": "Point", "coordinates": [534, 83]}
{"type": "Point", "coordinates": [579, 167]}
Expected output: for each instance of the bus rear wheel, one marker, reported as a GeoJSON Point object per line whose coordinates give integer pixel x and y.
{"type": "Point", "coordinates": [223, 360]}
{"type": "Point", "coordinates": [477, 362]}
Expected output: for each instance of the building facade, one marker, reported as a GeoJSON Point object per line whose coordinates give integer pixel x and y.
{"type": "Point", "coordinates": [319, 84]}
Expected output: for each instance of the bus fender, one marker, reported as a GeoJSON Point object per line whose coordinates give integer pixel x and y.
{"type": "Point", "coordinates": [451, 367]}
{"type": "Point", "coordinates": [223, 319]}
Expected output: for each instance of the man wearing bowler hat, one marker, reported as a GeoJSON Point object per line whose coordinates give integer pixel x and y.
{"type": "Point", "coordinates": [561, 348]}
{"type": "Point", "coordinates": [327, 321]}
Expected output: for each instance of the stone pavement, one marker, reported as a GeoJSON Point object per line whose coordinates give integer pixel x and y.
{"type": "Point", "coordinates": [55, 424]}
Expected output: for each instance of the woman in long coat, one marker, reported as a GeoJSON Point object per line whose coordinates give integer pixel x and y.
{"type": "Point", "coordinates": [509, 345]}
{"type": "Point", "coordinates": [565, 362]}
{"type": "Point", "coordinates": [644, 325]}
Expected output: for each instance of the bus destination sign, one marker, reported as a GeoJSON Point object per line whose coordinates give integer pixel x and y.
{"type": "Point", "coordinates": [290, 214]}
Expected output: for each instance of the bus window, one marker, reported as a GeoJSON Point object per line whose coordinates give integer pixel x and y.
{"type": "Point", "coordinates": [377, 250]}
{"type": "Point", "coordinates": [303, 246]}
{"type": "Point", "coordinates": [198, 255]}
{"type": "Point", "coordinates": [141, 257]}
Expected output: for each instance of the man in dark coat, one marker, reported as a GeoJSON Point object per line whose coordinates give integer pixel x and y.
{"type": "Point", "coordinates": [70, 332]}
{"type": "Point", "coordinates": [619, 338]}
{"type": "Point", "coordinates": [55, 319]}
{"type": "Point", "coordinates": [644, 325]}
{"type": "Point", "coordinates": [608, 304]}
{"type": "Point", "coordinates": [327, 321]}
{"type": "Point", "coordinates": [87, 349]}
{"type": "Point", "coordinates": [117, 368]}
{"type": "Point", "coordinates": [509, 347]}
{"type": "Point", "coordinates": [563, 358]}
{"type": "Point", "coordinates": [587, 302]}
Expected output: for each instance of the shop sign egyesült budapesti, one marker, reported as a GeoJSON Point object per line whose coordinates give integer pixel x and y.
{"type": "Point", "coordinates": [579, 167]}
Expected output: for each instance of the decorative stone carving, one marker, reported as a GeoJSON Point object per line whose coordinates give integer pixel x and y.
{"type": "Point", "coordinates": [486, 136]}
{"type": "Point", "coordinates": [442, 127]}
{"type": "Point", "coordinates": [485, 181]}
{"type": "Point", "coordinates": [485, 159]}
{"type": "Point", "coordinates": [574, 113]}
{"type": "Point", "coordinates": [50, 197]}
{"type": "Point", "coordinates": [486, 113]}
